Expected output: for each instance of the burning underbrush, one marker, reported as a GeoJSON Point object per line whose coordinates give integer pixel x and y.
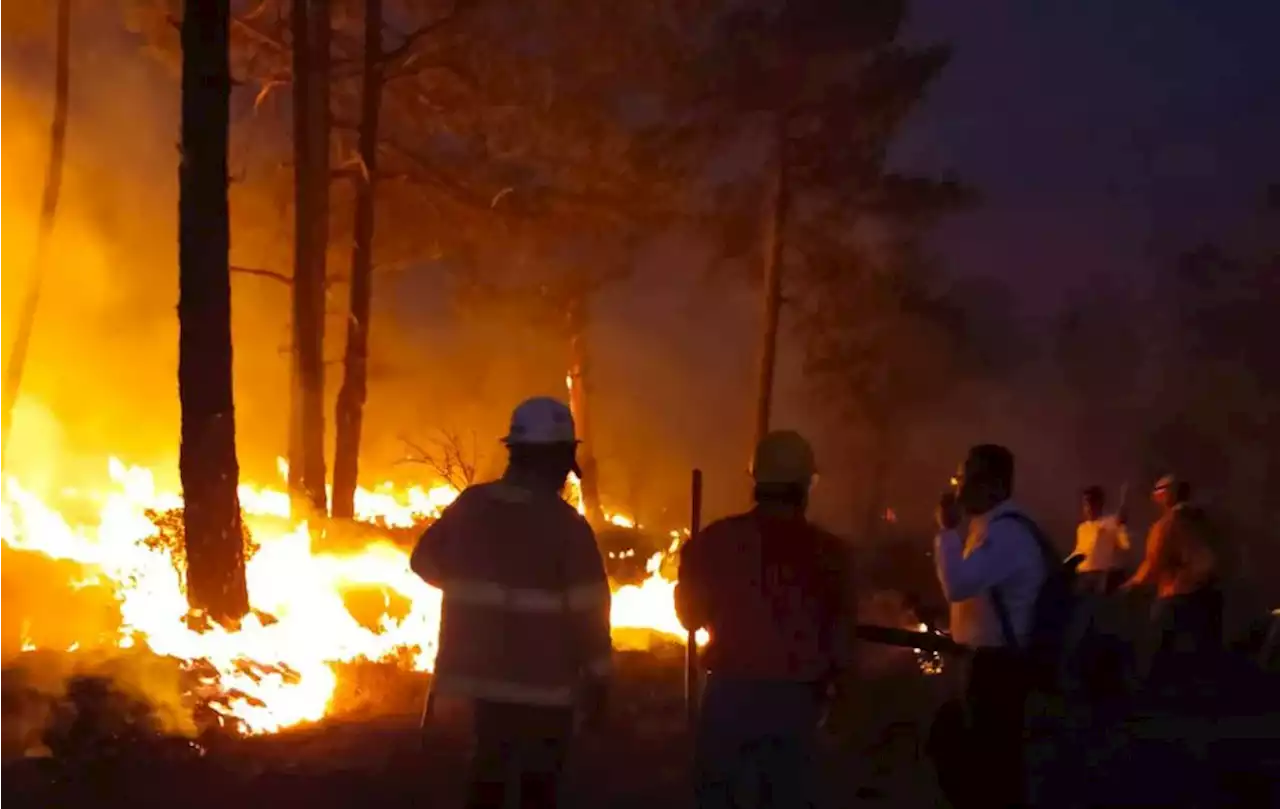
{"type": "Point", "coordinates": [63, 704]}
{"type": "Point", "coordinates": [94, 592]}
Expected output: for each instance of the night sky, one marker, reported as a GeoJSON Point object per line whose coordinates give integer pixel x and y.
{"type": "Point", "coordinates": [1101, 133]}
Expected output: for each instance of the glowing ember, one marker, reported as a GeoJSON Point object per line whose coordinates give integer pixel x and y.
{"type": "Point", "coordinates": [930, 662]}
{"type": "Point", "coordinates": [274, 671]}
{"type": "Point", "coordinates": [620, 521]}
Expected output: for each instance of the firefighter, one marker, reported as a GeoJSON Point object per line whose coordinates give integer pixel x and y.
{"type": "Point", "coordinates": [772, 591]}
{"type": "Point", "coordinates": [524, 646]}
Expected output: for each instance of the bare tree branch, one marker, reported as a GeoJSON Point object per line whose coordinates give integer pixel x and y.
{"type": "Point", "coordinates": [397, 61]}
{"type": "Point", "coordinates": [424, 171]}
{"type": "Point", "coordinates": [448, 456]}
{"type": "Point", "coordinates": [271, 275]}
{"type": "Point", "coordinates": [409, 69]}
{"type": "Point", "coordinates": [281, 278]}
{"type": "Point", "coordinates": [259, 36]}
{"type": "Point", "coordinates": [405, 48]}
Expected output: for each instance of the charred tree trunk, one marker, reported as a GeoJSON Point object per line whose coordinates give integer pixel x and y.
{"type": "Point", "coordinates": [774, 244]}
{"type": "Point", "coordinates": [210, 472]}
{"type": "Point", "coordinates": [355, 367]}
{"type": "Point", "coordinates": [303, 205]}
{"type": "Point", "coordinates": [579, 403]}
{"type": "Point", "coordinates": [311, 34]}
{"type": "Point", "coordinates": [48, 216]}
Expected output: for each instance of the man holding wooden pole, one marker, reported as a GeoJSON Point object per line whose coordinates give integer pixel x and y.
{"type": "Point", "coordinates": [774, 593]}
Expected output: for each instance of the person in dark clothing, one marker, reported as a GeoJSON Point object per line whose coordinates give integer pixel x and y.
{"type": "Point", "coordinates": [524, 644]}
{"type": "Point", "coordinates": [774, 593]}
{"type": "Point", "coordinates": [528, 740]}
{"type": "Point", "coordinates": [1195, 709]}
{"type": "Point", "coordinates": [1182, 574]}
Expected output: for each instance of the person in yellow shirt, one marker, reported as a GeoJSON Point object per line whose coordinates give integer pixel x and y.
{"type": "Point", "coordinates": [1103, 540]}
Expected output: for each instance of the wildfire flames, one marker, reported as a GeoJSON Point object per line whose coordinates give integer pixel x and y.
{"type": "Point", "coordinates": [277, 669]}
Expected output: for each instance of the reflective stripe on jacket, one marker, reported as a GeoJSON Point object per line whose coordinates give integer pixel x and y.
{"type": "Point", "coordinates": [525, 607]}
{"type": "Point", "coordinates": [518, 599]}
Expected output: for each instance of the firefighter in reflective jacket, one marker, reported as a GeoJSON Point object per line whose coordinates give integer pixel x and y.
{"type": "Point", "coordinates": [524, 626]}
{"type": "Point", "coordinates": [773, 592]}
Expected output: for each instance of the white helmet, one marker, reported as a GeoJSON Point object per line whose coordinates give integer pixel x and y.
{"type": "Point", "coordinates": [541, 420]}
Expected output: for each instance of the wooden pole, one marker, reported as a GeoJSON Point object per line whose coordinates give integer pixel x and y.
{"type": "Point", "coordinates": [691, 640]}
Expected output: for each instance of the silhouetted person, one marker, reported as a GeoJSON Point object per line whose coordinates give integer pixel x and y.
{"type": "Point", "coordinates": [772, 591]}
{"type": "Point", "coordinates": [1169, 494]}
{"type": "Point", "coordinates": [524, 631]}
{"type": "Point", "coordinates": [1181, 573]}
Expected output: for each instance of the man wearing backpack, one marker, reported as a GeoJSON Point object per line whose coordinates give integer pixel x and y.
{"type": "Point", "coordinates": [992, 577]}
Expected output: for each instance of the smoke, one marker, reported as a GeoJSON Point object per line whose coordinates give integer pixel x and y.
{"type": "Point", "coordinates": [101, 375]}
{"type": "Point", "coordinates": [101, 378]}
{"type": "Point", "coordinates": [672, 349]}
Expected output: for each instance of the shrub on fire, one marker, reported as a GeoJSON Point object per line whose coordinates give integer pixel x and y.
{"type": "Point", "coordinates": [626, 551]}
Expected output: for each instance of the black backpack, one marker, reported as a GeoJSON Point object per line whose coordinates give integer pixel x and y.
{"type": "Point", "coordinates": [1055, 608]}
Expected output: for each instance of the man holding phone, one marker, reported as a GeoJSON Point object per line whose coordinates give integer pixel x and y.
{"type": "Point", "coordinates": [991, 577]}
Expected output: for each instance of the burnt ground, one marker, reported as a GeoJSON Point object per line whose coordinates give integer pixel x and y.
{"type": "Point", "coordinates": [374, 755]}
{"type": "Point", "coordinates": [111, 757]}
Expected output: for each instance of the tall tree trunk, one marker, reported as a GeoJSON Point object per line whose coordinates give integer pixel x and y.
{"type": "Point", "coordinates": [311, 34]}
{"type": "Point", "coordinates": [774, 244]}
{"type": "Point", "coordinates": [355, 368]}
{"type": "Point", "coordinates": [48, 216]}
{"type": "Point", "coordinates": [302, 148]}
{"type": "Point", "coordinates": [207, 461]}
{"type": "Point", "coordinates": [579, 398]}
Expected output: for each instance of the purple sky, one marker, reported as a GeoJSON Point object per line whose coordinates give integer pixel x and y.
{"type": "Point", "coordinates": [1097, 131]}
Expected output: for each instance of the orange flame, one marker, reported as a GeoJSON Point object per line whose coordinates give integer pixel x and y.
{"type": "Point", "coordinates": [299, 587]}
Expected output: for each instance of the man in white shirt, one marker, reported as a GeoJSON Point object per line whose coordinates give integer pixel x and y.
{"type": "Point", "coordinates": [1103, 541]}
{"type": "Point", "coordinates": [992, 579]}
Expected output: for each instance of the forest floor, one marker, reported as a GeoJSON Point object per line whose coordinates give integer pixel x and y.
{"type": "Point", "coordinates": [377, 757]}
